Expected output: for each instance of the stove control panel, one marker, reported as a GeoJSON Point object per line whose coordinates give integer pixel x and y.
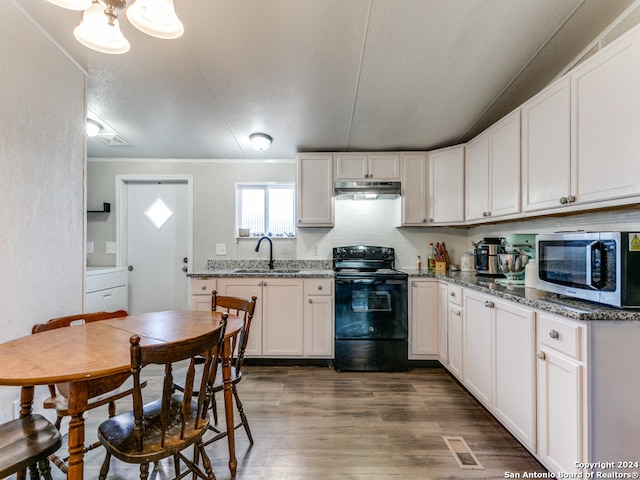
{"type": "Point", "coordinates": [363, 253]}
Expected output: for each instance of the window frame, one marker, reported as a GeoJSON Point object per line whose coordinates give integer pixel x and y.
{"type": "Point", "coordinates": [265, 186]}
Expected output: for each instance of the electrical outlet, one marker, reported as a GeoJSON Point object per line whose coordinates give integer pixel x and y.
{"type": "Point", "coordinates": [16, 409]}
{"type": "Point", "coordinates": [111, 247]}
{"type": "Point", "coordinates": [89, 247]}
{"type": "Point", "coordinates": [221, 248]}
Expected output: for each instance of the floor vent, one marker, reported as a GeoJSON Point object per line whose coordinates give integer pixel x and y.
{"type": "Point", "coordinates": [462, 453]}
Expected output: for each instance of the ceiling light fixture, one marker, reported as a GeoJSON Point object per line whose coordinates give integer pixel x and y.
{"type": "Point", "coordinates": [260, 141]}
{"type": "Point", "coordinates": [100, 29]}
{"type": "Point", "coordinates": [93, 127]}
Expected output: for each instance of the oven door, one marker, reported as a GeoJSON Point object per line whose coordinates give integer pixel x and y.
{"type": "Point", "coordinates": [371, 308]}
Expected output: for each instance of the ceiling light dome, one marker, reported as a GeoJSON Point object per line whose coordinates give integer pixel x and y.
{"type": "Point", "coordinates": [93, 127]}
{"type": "Point", "coordinates": [100, 30]}
{"type": "Point", "coordinates": [156, 18]}
{"type": "Point", "coordinates": [260, 141]}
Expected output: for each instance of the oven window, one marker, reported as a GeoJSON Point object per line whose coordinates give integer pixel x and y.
{"type": "Point", "coordinates": [364, 301]}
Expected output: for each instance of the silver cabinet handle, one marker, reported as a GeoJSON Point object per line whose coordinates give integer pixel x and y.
{"type": "Point", "coordinates": [311, 300]}
{"type": "Point", "coordinates": [554, 334]}
{"type": "Point", "coordinates": [453, 294]}
{"type": "Point", "coordinates": [456, 313]}
{"type": "Point", "coordinates": [203, 287]}
{"type": "Point", "coordinates": [541, 355]}
{"type": "Point", "coordinates": [319, 287]}
{"type": "Point", "coordinates": [489, 304]}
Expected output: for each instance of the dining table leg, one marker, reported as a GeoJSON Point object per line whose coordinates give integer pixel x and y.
{"type": "Point", "coordinates": [78, 398]}
{"type": "Point", "coordinates": [228, 405]}
{"type": "Point", "coordinates": [26, 404]}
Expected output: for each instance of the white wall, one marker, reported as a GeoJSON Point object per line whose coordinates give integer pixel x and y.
{"type": "Point", "coordinates": [42, 162]}
{"type": "Point", "coordinates": [357, 222]}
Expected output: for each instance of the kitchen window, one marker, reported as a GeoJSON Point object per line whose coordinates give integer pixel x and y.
{"type": "Point", "coordinates": [265, 209]}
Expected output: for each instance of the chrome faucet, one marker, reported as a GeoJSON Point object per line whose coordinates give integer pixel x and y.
{"type": "Point", "coordinates": [270, 250]}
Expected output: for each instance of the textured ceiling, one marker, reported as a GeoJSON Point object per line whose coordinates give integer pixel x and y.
{"type": "Point", "coordinates": [324, 75]}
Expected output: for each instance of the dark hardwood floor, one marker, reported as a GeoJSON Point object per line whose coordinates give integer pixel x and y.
{"type": "Point", "coordinates": [314, 423]}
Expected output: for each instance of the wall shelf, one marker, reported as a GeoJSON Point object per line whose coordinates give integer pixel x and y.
{"type": "Point", "coordinates": [106, 208]}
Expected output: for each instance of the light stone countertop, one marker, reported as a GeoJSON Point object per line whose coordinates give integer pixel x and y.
{"type": "Point", "coordinates": [531, 297]}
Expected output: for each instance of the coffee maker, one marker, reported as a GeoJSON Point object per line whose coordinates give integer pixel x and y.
{"type": "Point", "coordinates": [486, 252]}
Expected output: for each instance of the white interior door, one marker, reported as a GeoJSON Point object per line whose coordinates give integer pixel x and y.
{"type": "Point", "coordinates": [157, 237]}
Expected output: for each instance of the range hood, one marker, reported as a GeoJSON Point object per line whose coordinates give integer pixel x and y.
{"type": "Point", "coordinates": [367, 190]}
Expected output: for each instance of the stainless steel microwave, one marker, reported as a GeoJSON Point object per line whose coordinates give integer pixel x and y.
{"type": "Point", "coordinates": [601, 267]}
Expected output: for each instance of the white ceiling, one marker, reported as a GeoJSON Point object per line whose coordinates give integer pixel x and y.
{"type": "Point", "coordinates": [325, 75]}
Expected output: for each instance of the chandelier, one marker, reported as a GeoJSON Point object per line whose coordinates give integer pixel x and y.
{"type": "Point", "coordinates": [100, 29]}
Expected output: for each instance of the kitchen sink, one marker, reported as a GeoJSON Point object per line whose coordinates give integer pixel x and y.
{"type": "Point", "coordinates": [266, 271]}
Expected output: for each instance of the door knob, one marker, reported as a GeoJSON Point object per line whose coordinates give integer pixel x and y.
{"type": "Point", "coordinates": [130, 268]}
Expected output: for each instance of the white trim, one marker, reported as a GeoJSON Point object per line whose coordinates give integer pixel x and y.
{"type": "Point", "coordinates": [242, 161]}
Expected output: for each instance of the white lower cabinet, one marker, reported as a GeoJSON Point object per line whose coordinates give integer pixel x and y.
{"type": "Point", "coordinates": [106, 290]}
{"type": "Point", "coordinates": [201, 289]}
{"type": "Point", "coordinates": [455, 329]}
{"type": "Point", "coordinates": [293, 317]}
{"type": "Point", "coordinates": [515, 370]}
{"type": "Point", "coordinates": [478, 345]}
{"type": "Point", "coordinates": [423, 299]}
{"type": "Point", "coordinates": [560, 393]}
{"type": "Point", "coordinates": [443, 328]}
{"type": "Point", "coordinates": [318, 318]}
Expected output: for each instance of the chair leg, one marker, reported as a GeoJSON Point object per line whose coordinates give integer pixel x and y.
{"type": "Point", "coordinates": [206, 461]}
{"type": "Point", "coordinates": [45, 469]}
{"type": "Point", "coordinates": [243, 417]}
{"type": "Point", "coordinates": [33, 472]}
{"type": "Point", "coordinates": [105, 467]}
{"type": "Point", "coordinates": [144, 471]}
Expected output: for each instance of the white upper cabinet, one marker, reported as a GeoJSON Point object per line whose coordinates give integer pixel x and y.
{"type": "Point", "coordinates": [605, 120]}
{"type": "Point", "coordinates": [415, 190]}
{"type": "Point", "coordinates": [492, 171]}
{"type": "Point", "coordinates": [446, 186]}
{"type": "Point", "coordinates": [379, 166]}
{"type": "Point", "coordinates": [314, 192]}
{"type": "Point", "coordinates": [546, 148]}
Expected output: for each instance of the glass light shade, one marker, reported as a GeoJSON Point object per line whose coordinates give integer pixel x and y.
{"type": "Point", "coordinates": [93, 128]}
{"type": "Point", "coordinates": [72, 4]}
{"type": "Point", "coordinates": [260, 141]}
{"type": "Point", "coordinates": [96, 33]}
{"type": "Point", "coordinates": [156, 18]}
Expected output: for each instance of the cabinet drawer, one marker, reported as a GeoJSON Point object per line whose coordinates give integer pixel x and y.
{"type": "Point", "coordinates": [318, 286]}
{"type": "Point", "coordinates": [559, 335]}
{"type": "Point", "coordinates": [107, 300]}
{"type": "Point", "coordinates": [202, 286]}
{"type": "Point", "coordinates": [455, 294]}
{"type": "Point", "coordinates": [96, 281]}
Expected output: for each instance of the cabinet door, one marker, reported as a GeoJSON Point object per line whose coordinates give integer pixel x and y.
{"type": "Point", "coordinates": [455, 329]}
{"type": "Point", "coordinates": [282, 317]}
{"type": "Point", "coordinates": [201, 289]}
{"type": "Point", "coordinates": [414, 190]}
{"type": "Point", "coordinates": [443, 349]}
{"type": "Point", "coordinates": [446, 186]}
{"type": "Point", "coordinates": [504, 154]}
{"type": "Point", "coordinates": [424, 318]}
{"type": "Point", "coordinates": [318, 326]}
{"type": "Point", "coordinates": [246, 287]}
{"type": "Point", "coordinates": [351, 167]}
{"type": "Point", "coordinates": [606, 121]}
{"type": "Point", "coordinates": [546, 148]}
{"type": "Point", "coordinates": [559, 411]}
{"type": "Point", "coordinates": [476, 167]}
{"type": "Point", "coordinates": [314, 192]}
{"type": "Point", "coordinates": [515, 392]}
{"type": "Point", "coordinates": [384, 167]}
{"type": "Point", "coordinates": [478, 346]}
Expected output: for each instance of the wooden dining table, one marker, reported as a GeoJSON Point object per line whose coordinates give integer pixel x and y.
{"type": "Point", "coordinates": [101, 349]}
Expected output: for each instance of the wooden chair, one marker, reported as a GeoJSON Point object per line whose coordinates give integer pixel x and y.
{"type": "Point", "coordinates": [242, 307]}
{"type": "Point", "coordinates": [167, 426]}
{"type": "Point", "coordinates": [101, 391]}
{"type": "Point", "coordinates": [25, 442]}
